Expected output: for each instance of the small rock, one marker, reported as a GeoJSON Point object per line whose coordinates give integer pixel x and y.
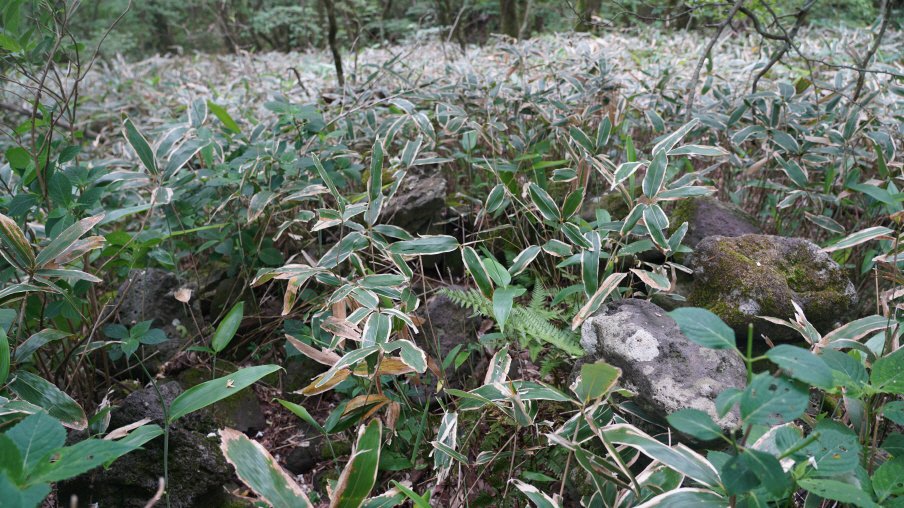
{"type": "Point", "coordinates": [707, 216]}
{"type": "Point", "coordinates": [664, 368]}
{"type": "Point", "coordinates": [197, 469]}
{"type": "Point", "coordinates": [418, 202]}
{"type": "Point", "coordinates": [446, 325]}
{"type": "Point", "coordinates": [760, 275]}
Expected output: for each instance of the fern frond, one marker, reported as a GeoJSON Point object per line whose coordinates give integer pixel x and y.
{"type": "Point", "coordinates": [524, 320]}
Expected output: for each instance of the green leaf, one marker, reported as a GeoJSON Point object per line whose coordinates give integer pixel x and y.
{"type": "Point", "coordinates": [671, 140]}
{"type": "Point", "coordinates": [894, 411]}
{"type": "Point", "coordinates": [495, 199]}
{"type": "Point", "coordinates": [888, 373]}
{"type": "Point", "coordinates": [503, 299]}
{"type": "Point", "coordinates": [302, 413]}
{"type": "Point", "coordinates": [768, 470]}
{"type": "Point", "coordinates": [704, 328]}
{"type": "Point", "coordinates": [523, 259]}
{"type": "Point", "coordinates": [544, 202]}
{"type": "Point", "coordinates": [42, 393]}
{"type": "Point", "coordinates": [695, 423]}
{"type": "Point", "coordinates": [15, 497]}
{"type": "Point", "coordinates": [360, 473]}
{"type": "Point", "coordinates": [83, 456]}
{"type": "Point", "coordinates": [65, 240]}
{"type": "Point", "coordinates": [376, 330]}
{"type": "Point", "coordinates": [478, 270]}
{"type": "Point", "coordinates": [655, 177]}
{"type": "Point", "coordinates": [425, 245]}
{"type": "Point", "coordinates": [14, 246]}
{"type": "Point", "coordinates": [699, 150]}
{"type": "Point", "coordinates": [228, 326]}
{"type": "Point", "coordinates": [769, 400]}
{"type": "Point", "coordinates": [802, 365]}
{"type": "Point", "coordinates": [259, 470]}
{"type": "Point", "coordinates": [4, 357]}
{"type": "Point", "coordinates": [859, 237]}
{"type": "Point", "coordinates": [609, 285]}
{"type": "Point", "coordinates": [838, 491]}
{"type": "Point", "coordinates": [539, 499]}
{"type": "Point", "coordinates": [686, 497]}
{"type": "Point", "coordinates": [888, 480]}
{"type": "Point", "coordinates": [141, 146]}
{"type": "Point", "coordinates": [624, 171]}
{"type": "Point", "coordinates": [836, 449]}
{"type": "Point", "coordinates": [412, 355]}
{"type": "Point", "coordinates": [222, 115]}
{"type": "Point", "coordinates": [36, 437]}
{"type": "Point", "coordinates": [596, 380]}
{"type": "Point", "coordinates": [212, 391]}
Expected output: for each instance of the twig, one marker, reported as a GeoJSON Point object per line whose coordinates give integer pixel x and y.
{"type": "Point", "coordinates": [696, 77]}
{"type": "Point", "coordinates": [861, 76]}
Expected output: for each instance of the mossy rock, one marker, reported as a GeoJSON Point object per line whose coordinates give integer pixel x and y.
{"type": "Point", "coordinates": [761, 275]}
{"type": "Point", "coordinates": [707, 216]}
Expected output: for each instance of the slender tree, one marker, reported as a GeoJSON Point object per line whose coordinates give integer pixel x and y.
{"type": "Point", "coordinates": [330, 7]}
{"type": "Point", "coordinates": [508, 17]}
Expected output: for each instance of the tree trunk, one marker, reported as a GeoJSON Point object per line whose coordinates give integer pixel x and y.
{"type": "Point", "coordinates": [586, 9]}
{"type": "Point", "coordinates": [331, 38]}
{"type": "Point", "coordinates": [508, 18]}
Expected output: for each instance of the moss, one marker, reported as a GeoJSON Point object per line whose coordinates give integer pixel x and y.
{"type": "Point", "coordinates": [683, 212]}
{"type": "Point", "coordinates": [766, 274]}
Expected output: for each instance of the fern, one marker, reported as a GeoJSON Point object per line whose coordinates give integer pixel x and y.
{"type": "Point", "coordinates": [525, 320]}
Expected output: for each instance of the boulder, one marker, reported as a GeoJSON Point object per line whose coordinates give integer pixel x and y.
{"type": "Point", "coordinates": [418, 202]}
{"type": "Point", "coordinates": [445, 325]}
{"type": "Point", "coordinates": [707, 216]}
{"type": "Point", "coordinates": [150, 294]}
{"type": "Point", "coordinates": [664, 368]}
{"type": "Point", "coordinates": [760, 275]}
{"type": "Point", "coordinates": [197, 469]}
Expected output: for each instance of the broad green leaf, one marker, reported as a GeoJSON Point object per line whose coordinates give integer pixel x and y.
{"type": "Point", "coordinates": [836, 449]}
{"type": "Point", "coordinates": [695, 423]}
{"type": "Point", "coordinates": [888, 373]}
{"type": "Point", "coordinates": [259, 470]}
{"type": "Point", "coordinates": [4, 357]}
{"type": "Point", "coordinates": [81, 457]}
{"type": "Point", "coordinates": [425, 245]}
{"type": "Point", "coordinates": [376, 329]}
{"type": "Point", "coordinates": [66, 240]}
{"type": "Point", "coordinates": [838, 491]}
{"type": "Point", "coordinates": [45, 394]}
{"type": "Point", "coordinates": [14, 246]}
{"type": "Point", "coordinates": [802, 365]}
{"type": "Point", "coordinates": [259, 203]}
{"type": "Point", "coordinates": [544, 202]}
{"type": "Point", "coordinates": [590, 264]}
{"type": "Point", "coordinates": [582, 139]}
{"type": "Point", "coordinates": [704, 328]}
{"type": "Point", "coordinates": [447, 435]}
{"type": "Point", "coordinates": [224, 117]}
{"type": "Point", "coordinates": [360, 473]}
{"type": "Point", "coordinates": [302, 413]}
{"type": "Point", "coordinates": [478, 270]}
{"type": "Point", "coordinates": [596, 380]}
{"type": "Point", "coordinates": [655, 177]}
{"type": "Point", "coordinates": [215, 390]}
{"type": "Point", "coordinates": [672, 139]}
{"type": "Point", "coordinates": [687, 497]}
{"type": "Point", "coordinates": [15, 497]}
{"type": "Point", "coordinates": [767, 469]}
{"type": "Point", "coordinates": [624, 171]}
{"type": "Point", "coordinates": [769, 400]}
{"type": "Point", "coordinates": [888, 480]}
{"type": "Point", "coordinates": [503, 299]}
{"type": "Point", "coordinates": [699, 150]}
{"type": "Point", "coordinates": [539, 499]}
{"type": "Point", "coordinates": [497, 272]}
{"type": "Point", "coordinates": [228, 326]}
{"type": "Point", "coordinates": [573, 202]}
{"type": "Point", "coordinates": [141, 146]}
{"type": "Point", "coordinates": [37, 437]}
{"type": "Point", "coordinates": [495, 199]}
{"type": "Point", "coordinates": [859, 237]}
{"type": "Point", "coordinates": [523, 259]}
{"type": "Point", "coordinates": [894, 411]}
{"type": "Point", "coordinates": [412, 355]}
{"type": "Point", "coordinates": [609, 285]}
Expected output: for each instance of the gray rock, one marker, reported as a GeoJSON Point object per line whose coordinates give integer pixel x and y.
{"type": "Point", "coordinates": [760, 275]}
{"type": "Point", "coordinates": [150, 294]}
{"type": "Point", "coordinates": [707, 216]}
{"type": "Point", "coordinates": [445, 326]}
{"type": "Point", "coordinates": [418, 202]}
{"type": "Point", "coordinates": [664, 368]}
{"type": "Point", "coordinates": [197, 469]}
